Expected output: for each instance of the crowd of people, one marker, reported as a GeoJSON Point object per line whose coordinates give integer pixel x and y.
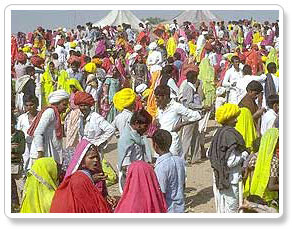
{"type": "Point", "coordinates": [154, 90]}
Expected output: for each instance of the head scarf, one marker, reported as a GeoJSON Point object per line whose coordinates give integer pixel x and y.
{"type": "Point", "coordinates": [73, 44]}
{"type": "Point", "coordinates": [79, 154]}
{"type": "Point", "coordinates": [58, 96]}
{"type": "Point", "coordinates": [21, 57]}
{"type": "Point", "coordinates": [96, 61]}
{"type": "Point", "coordinates": [226, 112]}
{"type": "Point", "coordinates": [90, 68]}
{"type": "Point", "coordinates": [142, 192]}
{"type": "Point", "coordinates": [124, 98]}
{"type": "Point", "coordinates": [262, 170]}
{"type": "Point", "coordinates": [74, 82]}
{"type": "Point", "coordinates": [40, 186]}
{"type": "Point", "coordinates": [83, 98]}
{"type": "Point", "coordinates": [160, 41]}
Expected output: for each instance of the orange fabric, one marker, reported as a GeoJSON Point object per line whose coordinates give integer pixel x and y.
{"type": "Point", "coordinates": [151, 103]}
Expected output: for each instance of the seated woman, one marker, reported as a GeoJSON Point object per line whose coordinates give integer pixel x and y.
{"type": "Point", "coordinates": [83, 189]}
{"type": "Point", "coordinates": [141, 193]}
{"type": "Point", "coordinates": [264, 182]}
{"type": "Point", "coordinates": [40, 186]}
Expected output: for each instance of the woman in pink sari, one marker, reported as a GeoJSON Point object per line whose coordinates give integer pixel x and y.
{"type": "Point", "coordinates": [142, 192]}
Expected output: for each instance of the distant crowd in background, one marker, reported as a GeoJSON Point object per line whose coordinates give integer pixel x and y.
{"type": "Point", "coordinates": [154, 90]}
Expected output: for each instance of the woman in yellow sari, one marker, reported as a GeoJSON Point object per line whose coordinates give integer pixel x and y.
{"type": "Point", "coordinates": [245, 126]}
{"type": "Point", "coordinates": [151, 102]}
{"type": "Point", "coordinates": [40, 186]}
{"type": "Point", "coordinates": [264, 181]}
{"type": "Point", "coordinates": [272, 57]}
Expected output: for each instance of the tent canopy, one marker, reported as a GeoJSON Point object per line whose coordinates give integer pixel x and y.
{"type": "Point", "coordinates": [117, 17]}
{"type": "Point", "coordinates": [194, 16]}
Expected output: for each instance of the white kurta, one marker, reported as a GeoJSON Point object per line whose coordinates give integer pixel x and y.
{"type": "Point", "coordinates": [45, 138]}
{"type": "Point", "coordinates": [268, 120]}
{"type": "Point", "coordinates": [170, 117]}
{"type": "Point", "coordinates": [232, 76]}
{"type": "Point", "coordinates": [96, 129]}
{"type": "Point", "coordinates": [122, 120]}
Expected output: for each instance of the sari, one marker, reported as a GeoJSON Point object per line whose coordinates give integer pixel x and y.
{"type": "Point", "coordinates": [262, 170]}
{"type": "Point", "coordinates": [151, 102]}
{"type": "Point", "coordinates": [171, 46]}
{"type": "Point", "coordinates": [245, 126]}
{"type": "Point", "coordinates": [207, 76]}
{"type": "Point", "coordinates": [142, 192]}
{"type": "Point", "coordinates": [40, 186]}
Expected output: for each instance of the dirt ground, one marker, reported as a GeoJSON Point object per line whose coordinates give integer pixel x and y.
{"type": "Point", "coordinates": [198, 194]}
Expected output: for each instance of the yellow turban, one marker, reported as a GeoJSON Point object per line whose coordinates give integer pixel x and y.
{"type": "Point", "coordinates": [73, 44]}
{"type": "Point", "coordinates": [90, 67]}
{"type": "Point", "coordinates": [146, 93]}
{"type": "Point", "coordinates": [124, 98]}
{"type": "Point", "coordinates": [160, 41]}
{"type": "Point", "coordinates": [226, 112]}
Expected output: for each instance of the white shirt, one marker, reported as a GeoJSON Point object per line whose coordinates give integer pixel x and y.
{"type": "Point", "coordinates": [122, 120]}
{"type": "Point", "coordinates": [62, 54]}
{"type": "Point", "coordinates": [230, 77]}
{"type": "Point", "coordinates": [200, 42]}
{"type": "Point", "coordinates": [169, 118]}
{"type": "Point", "coordinates": [268, 120]}
{"type": "Point", "coordinates": [153, 59]}
{"type": "Point", "coordinates": [174, 91]}
{"type": "Point", "coordinates": [96, 129]}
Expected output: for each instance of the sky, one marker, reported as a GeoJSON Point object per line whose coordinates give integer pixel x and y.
{"type": "Point", "coordinates": [28, 20]}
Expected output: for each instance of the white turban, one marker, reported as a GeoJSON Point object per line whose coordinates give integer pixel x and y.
{"type": "Point", "coordinates": [57, 96]}
{"type": "Point", "coordinates": [137, 48]}
{"type": "Point", "coordinates": [152, 46]}
{"type": "Point", "coordinates": [182, 39]}
{"type": "Point", "coordinates": [140, 88]}
{"type": "Point", "coordinates": [204, 32]}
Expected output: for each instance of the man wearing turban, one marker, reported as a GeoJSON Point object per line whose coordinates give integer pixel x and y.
{"type": "Point", "coordinates": [124, 101]}
{"type": "Point", "coordinates": [227, 153]}
{"type": "Point", "coordinates": [20, 65]}
{"type": "Point", "coordinates": [93, 126]}
{"type": "Point", "coordinates": [47, 130]}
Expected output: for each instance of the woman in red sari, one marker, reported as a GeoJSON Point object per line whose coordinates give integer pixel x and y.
{"type": "Point", "coordinates": [142, 192]}
{"type": "Point", "coordinates": [83, 189]}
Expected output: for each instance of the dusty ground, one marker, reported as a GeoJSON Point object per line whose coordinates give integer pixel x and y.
{"type": "Point", "coordinates": [199, 193]}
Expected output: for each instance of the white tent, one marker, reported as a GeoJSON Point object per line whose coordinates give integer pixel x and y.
{"type": "Point", "coordinates": [117, 17]}
{"type": "Point", "coordinates": [195, 16]}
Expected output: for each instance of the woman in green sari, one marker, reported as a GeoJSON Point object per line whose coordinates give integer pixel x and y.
{"type": "Point", "coordinates": [265, 179]}
{"type": "Point", "coordinates": [40, 186]}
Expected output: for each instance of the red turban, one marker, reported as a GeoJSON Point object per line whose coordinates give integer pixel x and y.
{"type": "Point", "coordinates": [83, 98]}
{"type": "Point", "coordinates": [37, 61]}
{"type": "Point", "coordinates": [74, 59]}
{"type": "Point", "coordinates": [21, 57]}
{"type": "Point", "coordinates": [34, 50]}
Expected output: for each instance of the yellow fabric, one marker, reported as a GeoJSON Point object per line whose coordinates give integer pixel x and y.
{"type": "Point", "coordinates": [226, 112]}
{"type": "Point", "coordinates": [160, 41]}
{"type": "Point", "coordinates": [26, 49]}
{"type": "Point", "coordinates": [257, 38]}
{"type": "Point", "coordinates": [47, 86]}
{"type": "Point", "coordinates": [170, 46]}
{"type": "Point", "coordinates": [146, 93]}
{"type": "Point", "coordinates": [40, 186]}
{"type": "Point", "coordinates": [73, 44]}
{"type": "Point", "coordinates": [63, 81]}
{"type": "Point", "coordinates": [90, 67]}
{"type": "Point", "coordinates": [272, 57]}
{"type": "Point", "coordinates": [262, 170]}
{"type": "Point", "coordinates": [192, 47]}
{"type": "Point", "coordinates": [110, 172]}
{"type": "Point", "coordinates": [74, 82]}
{"type": "Point", "coordinates": [207, 76]}
{"type": "Point", "coordinates": [245, 126]}
{"type": "Point", "coordinates": [151, 102]}
{"type": "Point", "coordinates": [124, 98]}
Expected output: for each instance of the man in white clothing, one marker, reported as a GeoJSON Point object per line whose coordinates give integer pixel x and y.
{"type": "Point", "coordinates": [268, 118]}
{"type": "Point", "coordinates": [170, 114]}
{"type": "Point", "coordinates": [154, 59]}
{"type": "Point", "coordinates": [231, 77]}
{"type": "Point", "coordinates": [46, 128]}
